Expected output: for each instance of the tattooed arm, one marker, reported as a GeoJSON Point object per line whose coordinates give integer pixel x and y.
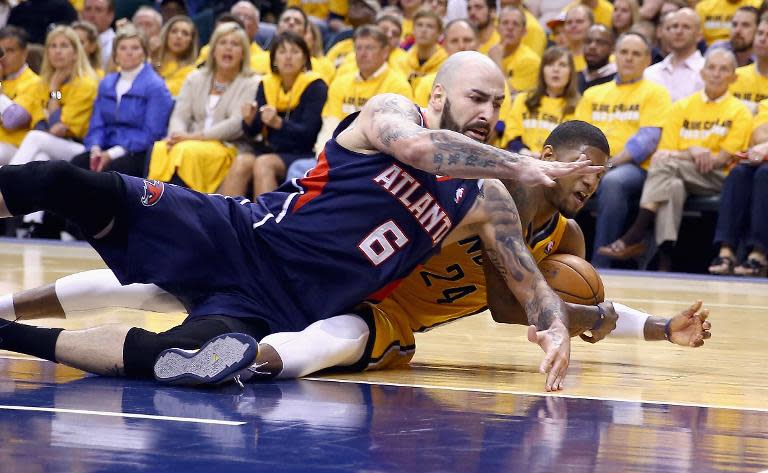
{"type": "Point", "coordinates": [391, 124]}
{"type": "Point", "coordinates": [495, 216]}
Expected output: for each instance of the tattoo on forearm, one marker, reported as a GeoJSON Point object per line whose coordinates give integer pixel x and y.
{"type": "Point", "coordinates": [514, 261]}
{"type": "Point", "coordinates": [452, 150]}
{"type": "Point", "coordinates": [403, 110]}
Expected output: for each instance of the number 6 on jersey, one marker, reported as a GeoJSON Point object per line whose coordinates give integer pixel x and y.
{"type": "Point", "coordinates": [378, 245]}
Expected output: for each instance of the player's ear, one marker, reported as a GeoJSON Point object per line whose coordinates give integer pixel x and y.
{"type": "Point", "coordinates": [437, 99]}
{"type": "Point", "coordinates": [548, 153]}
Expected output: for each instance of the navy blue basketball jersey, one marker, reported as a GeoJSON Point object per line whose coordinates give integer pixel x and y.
{"type": "Point", "coordinates": [313, 249]}
{"type": "Point", "coordinates": [355, 223]}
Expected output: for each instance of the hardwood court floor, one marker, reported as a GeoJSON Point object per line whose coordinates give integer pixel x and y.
{"type": "Point", "coordinates": [633, 405]}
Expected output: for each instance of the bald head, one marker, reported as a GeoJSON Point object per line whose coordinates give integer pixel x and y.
{"type": "Point", "coordinates": [465, 63]}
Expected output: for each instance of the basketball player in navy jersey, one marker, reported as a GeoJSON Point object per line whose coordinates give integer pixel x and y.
{"type": "Point", "coordinates": [365, 217]}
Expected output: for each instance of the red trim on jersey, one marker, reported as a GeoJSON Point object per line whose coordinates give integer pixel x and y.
{"type": "Point", "coordinates": [384, 292]}
{"type": "Point", "coordinates": [444, 178]}
{"type": "Point", "coordinates": [314, 183]}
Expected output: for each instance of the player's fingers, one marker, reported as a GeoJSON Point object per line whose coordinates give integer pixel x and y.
{"type": "Point", "coordinates": [703, 315]}
{"type": "Point", "coordinates": [532, 336]}
{"type": "Point", "coordinates": [707, 325]}
{"type": "Point", "coordinates": [706, 335]}
{"type": "Point", "coordinates": [546, 363]}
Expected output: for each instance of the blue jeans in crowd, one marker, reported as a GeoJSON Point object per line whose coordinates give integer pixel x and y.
{"type": "Point", "coordinates": [743, 213]}
{"type": "Point", "coordinates": [298, 168]}
{"type": "Point", "coordinates": [618, 192]}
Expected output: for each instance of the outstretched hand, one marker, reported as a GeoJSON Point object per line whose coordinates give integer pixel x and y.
{"type": "Point", "coordinates": [690, 327]}
{"type": "Point", "coordinates": [557, 353]}
{"type": "Point", "coordinates": [534, 172]}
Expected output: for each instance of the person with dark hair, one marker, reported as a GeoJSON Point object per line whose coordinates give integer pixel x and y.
{"type": "Point", "coordinates": [535, 114]}
{"type": "Point", "coordinates": [716, 16]}
{"type": "Point", "coordinates": [598, 47]}
{"type": "Point", "coordinates": [631, 110]}
{"type": "Point", "coordinates": [36, 17]}
{"type": "Point", "coordinates": [16, 98]}
{"type": "Point", "coordinates": [101, 14]}
{"type": "Point", "coordinates": [743, 28]}
{"type": "Point", "coordinates": [751, 84]}
{"type": "Point", "coordinates": [284, 119]}
{"type": "Point", "coordinates": [89, 37]}
{"type": "Point", "coordinates": [518, 62]}
{"type": "Point", "coordinates": [426, 298]}
{"type": "Point", "coordinates": [578, 19]}
{"type": "Point", "coordinates": [426, 55]}
{"type": "Point", "coordinates": [362, 12]}
{"type": "Point", "coordinates": [482, 15]}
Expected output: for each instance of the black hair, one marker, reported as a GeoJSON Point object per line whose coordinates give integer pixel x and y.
{"type": "Point", "coordinates": [303, 15]}
{"type": "Point", "coordinates": [576, 133]}
{"type": "Point", "coordinates": [17, 33]}
{"type": "Point", "coordinates": [293, 38]}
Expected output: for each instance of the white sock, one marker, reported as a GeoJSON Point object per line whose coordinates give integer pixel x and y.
{"type": "Point", "coordinates": [338, 341]}
{"type": "Point", "coordinates": [7, 312]}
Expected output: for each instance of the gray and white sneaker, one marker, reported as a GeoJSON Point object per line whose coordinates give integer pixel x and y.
{"type": "Point", "coordinates": [218, 361]}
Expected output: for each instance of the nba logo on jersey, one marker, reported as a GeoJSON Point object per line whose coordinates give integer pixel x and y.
{"type": "Point", "coordinates": [459, 194]}
{"type": "Point", "coordinates": [549, 247]}
{"type": "Point", "coordinates": [153, 191]}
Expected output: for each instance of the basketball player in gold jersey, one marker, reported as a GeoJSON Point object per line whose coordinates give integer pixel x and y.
{"type": "Point", "coordinates": [451, 285]}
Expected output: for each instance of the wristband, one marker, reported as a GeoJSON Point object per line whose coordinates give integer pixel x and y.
{"type": "Point", "coordinates": [598, 322]}
{"type": "Point", "coordinates": [667, 335]}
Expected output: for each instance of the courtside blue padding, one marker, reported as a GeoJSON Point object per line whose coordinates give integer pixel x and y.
{"type": "Point", "coordinates": [306, 259]}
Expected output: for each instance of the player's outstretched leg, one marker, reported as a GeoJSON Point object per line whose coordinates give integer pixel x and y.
{"type": "Point", "coordinates": [219, 360]}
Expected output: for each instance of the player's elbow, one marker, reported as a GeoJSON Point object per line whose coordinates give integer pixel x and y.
{"type": "Point", "coordinates": [418, 153]}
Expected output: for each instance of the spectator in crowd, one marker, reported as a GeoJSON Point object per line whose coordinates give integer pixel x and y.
{"type": "Point", "coordinates": [602, 10]}
{"type": "Point", "coordinates": [426, 55]}
{"type": "Point", "coordinates": [535, 114]}
{"type": "Point", "coordinates": [680, 71]}
{"type": "Point", "coordinates": [702, 134]}
{"type": "Point", "coordinates": [16, 97]}
{"type": "Point", "coordinates": [557, 31]}
{"type": "Point", "coordinates": [598, 48]}
{"type": "Point", "coordinates": [459, 36]}
{"type": "Point", "coordinates": [101, 14]}
{"type": "Point", "coordinates": [150, 22]}
{"type": "Point", "coordinates": [247, 16]}
{"type": "Point", "coordinates": [651, 10]}
{"type": "Point", "coordinates": [743, 216]}
{"type": "Point", "coordinates": [625, 14]}
{"type": "Point", "coordinates": [518, 62]}
{"type": "Point", "coordinates": [482, 15]}
{"type": "Point", "coordinates": [409, 8]}
{"type": "Point", "coordinates": [577, 22]}
{"type": "Point", "coordinates": [36, 17]}
{"type": "Point", "coordinates": [630, 110]}
{"type": "Point", "coordinates": [716, 16]}
{"type": "Point", "coordinates": [440, 7]}
{"type": "Point", "coordinates": [171, 8]}
{"type": "Point", "coordinates": [63, 101]}
{"type": "Point", "coordinates": [89, 37]}
{"type": "Point", "coordinates": [285, 118]}
{"type": "Point", "coordinates": [175, 58]}
{"type": "Point", "coordinates": [661, 37]}
{"type": "Point", "coordinates": [204, 132]}
{"type": "Point", "coordinates": [535, 37]}
{"type": "Point", "coordinates": [751, 85]}
{"type": "Point", "coordinates": [390, 25]}
{"type": "Point", "coordinates": [361, 12]}
{"type": "Point", "coordinates": [743, 28]}
{"type": "Point", "coordinates": [131, 110]}
{"type": "Point", "coordinates": [647, 30]}
{"type": "Point", "coordinates": [293, 19]}
{"type": "Point", "coordinates": [328, 13]}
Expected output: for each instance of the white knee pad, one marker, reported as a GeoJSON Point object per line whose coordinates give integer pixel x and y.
{"type": "Point", "coordinates": [337, 341]}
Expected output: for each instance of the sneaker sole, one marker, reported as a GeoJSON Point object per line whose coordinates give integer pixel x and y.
{"type": "Point", "coordinates": [218, 361]}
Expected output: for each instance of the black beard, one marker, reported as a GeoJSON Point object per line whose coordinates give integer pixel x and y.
{"type": "Point", "coordinates": [593, 66]}
{"type": "Point", "coordinates": [446, 119]}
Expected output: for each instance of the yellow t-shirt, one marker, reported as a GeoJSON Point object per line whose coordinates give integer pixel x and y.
{"type": "Point", "coordinates": [173, 74]}
{"type": "Point", "coordinates": [533, 127]}
{"type": "Point", "coordinates": [339, 52]}
{"type": "Point", "coordinates": [716, 17]}
{"type": "Point", "coordinates": [22, 91]}
{"type": "Point", "coordinates": [620, 110]}
{"type": "Point", "coordinates": [407, 29]}
{"type": "Point", "coordinates": [603, 12]}
{"type": "Point", "coordinates": [535, 37]}
{"type": "Point", "coordinates": [751, 87]}
{"type": "Point", "coordinates": [762, 114]}
{"type": "Point", "coordinates": [349, 92]}
{"type": "Point", "coordinates": [77, 98]}
{"type": "Point", "coordinates": [725, 124]}
{"type": "Point", "coordinates": [492, 41]}
{"type": "Point", "coordinates": [521, 68]}
{"type": "Point", "coordinates": [410, 67]}
{"type": "Point", "coordinates": [324, 67]}
{"type": "Point", "coordinates": [424, 90]}
{"type": "Point", "coordinates": [579, 62]}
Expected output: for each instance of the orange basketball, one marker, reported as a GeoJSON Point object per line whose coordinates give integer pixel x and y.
{"type": "Point", "coordinates": [573, 279]}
